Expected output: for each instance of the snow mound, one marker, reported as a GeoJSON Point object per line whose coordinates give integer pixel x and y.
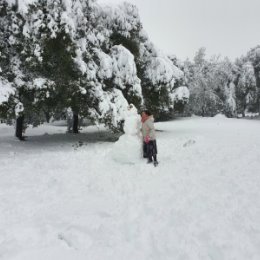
{"type": "Point", "coordinates": [127, 149]}
{"type": "Point", "coordinates": [220, 116]}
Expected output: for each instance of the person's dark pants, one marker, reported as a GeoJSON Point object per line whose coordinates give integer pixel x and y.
{"type": "Point", "coordinates": [151, 149]}
{"type": "Point", "coordinates": [145, 152]}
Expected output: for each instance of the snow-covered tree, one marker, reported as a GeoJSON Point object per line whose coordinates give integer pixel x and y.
{"type": "Point", "coordinates": [246, 91]}
{"type": "Point", "coordinates": [204, 99]}
{"type": "Point", "coordinates": [224, 77]}
{"type": "Point", "coordinates": [160, 77]}
{"type": "Point", "coordinates": [67, 60]}
{"type": "Point", "coordinates": [158, 74]}
{"type": "Point", "coordinates": [254, 57]}
{"type": "Point", "coordinates": [84, 56]}
{"type": "Point", "coordinates": [6, 86]}
{"type": "Point", "coordinates": [212, 84]}
{"type": "Point", "coordinates": [11, 40]}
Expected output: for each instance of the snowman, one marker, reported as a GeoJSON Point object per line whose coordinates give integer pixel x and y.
{"type": "Point", "coordinates": [127, 149]}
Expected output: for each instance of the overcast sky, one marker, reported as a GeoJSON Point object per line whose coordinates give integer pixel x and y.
{"type": "Point", "coordinates": [226, 27]}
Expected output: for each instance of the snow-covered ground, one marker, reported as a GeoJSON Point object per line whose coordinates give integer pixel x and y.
{"type": "Point", "coordinates": [64, 196]}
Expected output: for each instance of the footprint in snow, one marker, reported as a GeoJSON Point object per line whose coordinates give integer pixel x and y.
{"type": "Point", "coordinates": [76, 239]}
{"type": "Point", "coordinates": [189, 143]}
{"type": "Point", "coordinates": [78, 145]}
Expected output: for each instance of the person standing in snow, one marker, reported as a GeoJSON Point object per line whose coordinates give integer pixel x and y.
{"type": "Point", "coordinates": [149, 140]}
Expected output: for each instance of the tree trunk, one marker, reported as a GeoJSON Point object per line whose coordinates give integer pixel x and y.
{"type": "Point", "coordinates": [75, 123]}
{"type": "Point", "coordinates": [47, 116]}
{"type": "Point", "coordinates": [16, 6]}
{"type": "Point", "coordinates": [19, 127]}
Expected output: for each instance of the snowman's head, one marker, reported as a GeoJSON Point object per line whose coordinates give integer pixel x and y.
{"type": "Point", "coordinates": [130, 106]}
{"type": "Point", "coordinates": [131, 109]}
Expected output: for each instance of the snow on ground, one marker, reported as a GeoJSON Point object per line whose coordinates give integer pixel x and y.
{"type": "Point", "coordinates": [64, 197]}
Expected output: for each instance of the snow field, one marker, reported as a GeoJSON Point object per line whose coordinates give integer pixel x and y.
{"type": "Point", "coordinates": [65, 197]}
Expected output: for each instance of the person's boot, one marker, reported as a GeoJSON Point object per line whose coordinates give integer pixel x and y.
{"type": "Point", "coordinates": [155, 163]}
{"type": "Point", "coordinates": [149, 160]}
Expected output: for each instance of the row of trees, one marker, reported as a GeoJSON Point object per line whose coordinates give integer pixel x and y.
{"type": "Point", "coordinates": [78, 54]}
{"type": "Point", "coordinates": [97, 59]}
{"type": "Point", "coordinates": [221, 86]}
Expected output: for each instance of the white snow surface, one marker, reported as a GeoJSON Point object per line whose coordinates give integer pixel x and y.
{"type": "Point", "coordinates": [63, 197]}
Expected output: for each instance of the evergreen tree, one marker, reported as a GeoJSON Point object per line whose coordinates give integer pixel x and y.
{"type": "Point", "coordinates": [81, 55]}
{"type": "Point", "coordinates": [254, 57]}
{"type": "Point", "coordinates": [204, 100]}
{"type": "Point", "coordinates": [246, 91]}
{"type": "Point", "coordinates": [11, 40]}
